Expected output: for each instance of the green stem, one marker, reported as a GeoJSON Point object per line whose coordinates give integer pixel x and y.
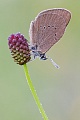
{"type": "Point", "coordinates": [33, 91]}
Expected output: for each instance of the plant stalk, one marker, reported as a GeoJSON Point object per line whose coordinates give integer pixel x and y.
{"type": "Point", "coordinates": [33, 91]}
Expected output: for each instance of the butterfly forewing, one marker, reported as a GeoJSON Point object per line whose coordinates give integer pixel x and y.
{"type": "Point", "coordinates": [48, 28]}
{"type": "Point", "coordinates": [60, 11]}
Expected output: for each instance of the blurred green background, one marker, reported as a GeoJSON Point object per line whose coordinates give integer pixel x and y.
{"type": "Point", "coordinates": [58, 90]}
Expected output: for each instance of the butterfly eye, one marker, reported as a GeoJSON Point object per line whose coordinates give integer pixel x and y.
{"type": "Point", "coordinates": [32, 48]}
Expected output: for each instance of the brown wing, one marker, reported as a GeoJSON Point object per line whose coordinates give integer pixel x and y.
{"type": "Point", "coordinates": [66, 14]}
{"type": "Point", "coordinates": [48, 28]}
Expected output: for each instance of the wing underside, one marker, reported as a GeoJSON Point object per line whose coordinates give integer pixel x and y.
{"type": "Point", "coordinates": [48, 27]}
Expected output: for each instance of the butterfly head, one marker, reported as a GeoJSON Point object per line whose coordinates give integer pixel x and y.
{"type": "Point", "coordinates": [37, 53]}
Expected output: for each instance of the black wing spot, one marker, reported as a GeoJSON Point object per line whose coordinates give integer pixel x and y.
{"type": "Point", "coordinates": [55, 34]}
{"type": "Point", "coordinates": [40, 26]}
{"type": "Point", "coordinates": [44, 27]}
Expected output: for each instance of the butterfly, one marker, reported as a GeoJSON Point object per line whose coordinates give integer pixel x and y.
{"type": "Point", "coordinates": [47, 29]}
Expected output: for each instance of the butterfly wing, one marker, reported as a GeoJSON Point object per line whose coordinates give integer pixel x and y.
{"type": "Point", "coordinates": [66, 14]}
{"type": "Point", "coordinates": [48, 27]}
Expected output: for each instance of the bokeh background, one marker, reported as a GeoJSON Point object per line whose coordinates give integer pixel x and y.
{"type": "Point", "coordinates": [58, 90]}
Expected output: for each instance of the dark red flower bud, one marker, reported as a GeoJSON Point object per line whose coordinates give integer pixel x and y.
{"type": "Point", "coordinates": [19, 48]}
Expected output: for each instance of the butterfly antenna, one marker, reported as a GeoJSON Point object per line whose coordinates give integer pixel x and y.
{"type": "Point", "coordinates": [56, 65]}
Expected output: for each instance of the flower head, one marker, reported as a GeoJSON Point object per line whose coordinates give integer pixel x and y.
{"type": "Point", "coordinates": [19, 48]}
